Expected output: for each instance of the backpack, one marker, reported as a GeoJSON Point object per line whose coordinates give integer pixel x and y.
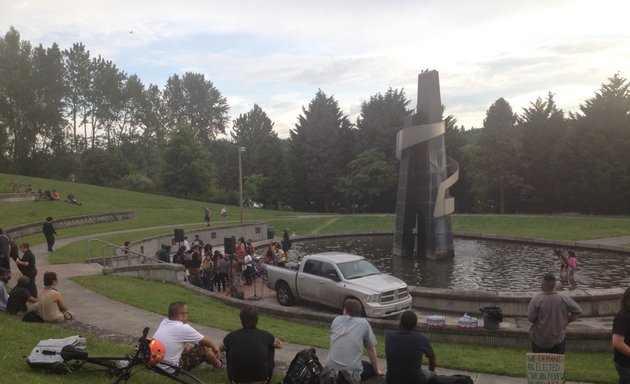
{"type": "Point", "coordinates": [304, 368]}
{"type": "Point", "coordinates": [47, 354]}
{"type": "Point", "coordinates": [453, 379]}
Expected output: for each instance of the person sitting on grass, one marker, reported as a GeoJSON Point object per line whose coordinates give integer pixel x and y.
{"type": "Point", "coordinates": [52, 308]}
{"type": "Point", "coordinates": [20, 299]}
{"type": "Point", "coordinates": [250, 351]}
{"type": "Point", "coordinates": [185, 347]}
{"type": "Point", "coordinates": [71, 198]}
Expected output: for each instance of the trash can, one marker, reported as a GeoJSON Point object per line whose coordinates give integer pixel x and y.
{"type": "Point", "coordinates": [492, 316]}
{"type": "Point", "coordinates": [270, 233]}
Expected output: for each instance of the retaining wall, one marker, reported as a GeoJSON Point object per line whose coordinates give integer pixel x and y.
{"type": "Point", "coordinates": [16, 197]}
{"type": "Point", "coordinates": [174, 273]}
{"type": "Point", "coordinates": [72, 221]}
{"type": "Point", "coordinates": [594, 302]}
{"type": "Point", "coordinates": [256, 231]}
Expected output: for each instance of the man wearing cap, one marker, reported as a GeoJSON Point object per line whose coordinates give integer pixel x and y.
{"type": "Point", "coordinates": [550, 312]}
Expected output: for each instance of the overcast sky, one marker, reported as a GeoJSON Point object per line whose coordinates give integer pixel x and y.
{"type": "Point", "coordinates": [277, 54]}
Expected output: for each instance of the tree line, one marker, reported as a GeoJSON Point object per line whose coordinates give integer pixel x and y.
{"type": "Point", "coordinates": [69, 115]}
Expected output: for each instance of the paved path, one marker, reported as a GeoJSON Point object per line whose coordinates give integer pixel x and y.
{"type": "Point", "coordinates": [118, 318]}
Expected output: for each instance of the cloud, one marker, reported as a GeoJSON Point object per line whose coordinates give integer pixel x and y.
{"type": "Point", "coordinates": [277, 53]}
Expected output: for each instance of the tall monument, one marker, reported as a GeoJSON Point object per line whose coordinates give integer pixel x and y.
{"type": "Point", "coordinates": [422, 200]}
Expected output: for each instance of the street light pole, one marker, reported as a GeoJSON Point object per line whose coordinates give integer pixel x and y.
{"type": "Point", "coordinates": [240, 179]}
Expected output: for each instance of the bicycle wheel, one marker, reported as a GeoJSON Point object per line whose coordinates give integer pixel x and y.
{"type": "Point", "coordinates": [179, 375]}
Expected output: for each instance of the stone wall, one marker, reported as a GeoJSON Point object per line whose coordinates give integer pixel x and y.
{"type": "Point", "coordinates": [594, 302]}
{"type": "Point", "coordinates": [16, 197]}
{"type": "Point", "coordinates": [256, 231]}
{"type": "Point", "coordinates": [174, 273]}
{"type": "Point", "coordinates": [72, 221]}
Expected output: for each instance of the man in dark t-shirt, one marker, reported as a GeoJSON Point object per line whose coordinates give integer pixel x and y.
{"type": "Point", "coordinates": [19, 296]}
{"type": "Point", "coordinates": [49, 232]}
{"type": "Point", "coordinates": [404, 349]}
{"type": "Point", "coordinates": [26, 264]}
{"type": "Point", "coordinates": [250, 351]}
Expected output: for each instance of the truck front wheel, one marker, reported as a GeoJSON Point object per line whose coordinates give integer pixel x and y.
{"type": "Point", "coordinates": [284, 295]}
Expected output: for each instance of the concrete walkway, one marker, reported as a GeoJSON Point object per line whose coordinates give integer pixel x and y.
{"type": "Point", "coordinates": [109, 316]}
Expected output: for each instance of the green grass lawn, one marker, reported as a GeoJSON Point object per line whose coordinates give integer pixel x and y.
{"type": "Point", "coordinates": [19, 338]}
{"type": "Point", "coordinates": [582, 366]}
{"type": "Point", "coordinates": [154, 211]}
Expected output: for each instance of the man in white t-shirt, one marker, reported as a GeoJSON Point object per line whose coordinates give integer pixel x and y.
{"type": "Point", "coordinates": [184, 346]}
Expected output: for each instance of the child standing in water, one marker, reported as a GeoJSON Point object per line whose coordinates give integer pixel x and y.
{"type": "Point", "coordinates": [573, 264]}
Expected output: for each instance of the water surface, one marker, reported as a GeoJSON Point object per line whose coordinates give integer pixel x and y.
{"type": "Point", "coordinates": [480, 264]}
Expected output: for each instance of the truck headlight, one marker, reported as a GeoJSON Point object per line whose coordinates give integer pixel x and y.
{"type": "Point", "coordinates": [371, 298]}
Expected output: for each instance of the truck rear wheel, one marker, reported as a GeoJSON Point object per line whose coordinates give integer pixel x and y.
{"type": "Point", "coordinates": [284, 294]}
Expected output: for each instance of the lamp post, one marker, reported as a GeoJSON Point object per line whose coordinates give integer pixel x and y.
{"type": "Point", "coordinates": [240, 179]}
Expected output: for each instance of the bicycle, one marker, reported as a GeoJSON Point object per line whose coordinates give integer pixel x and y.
{"type": "Point", "coordinates": [149, 354]}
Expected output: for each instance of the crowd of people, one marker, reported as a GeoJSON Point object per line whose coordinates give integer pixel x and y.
{"type": "Point", "coordinates": [220, 271]}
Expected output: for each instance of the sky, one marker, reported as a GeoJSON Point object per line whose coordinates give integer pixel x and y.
{"type": "Point", "coordinates": [278, 54]}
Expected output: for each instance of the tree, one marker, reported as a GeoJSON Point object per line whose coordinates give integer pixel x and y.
{"type": "Point", "coordinates": [319, 147]}
{"type": "Point", "coordinates": [264, 157]}
{"type": "Point", "coordinates": [186, 169]}
{"type": "Point", "coordinates": [17, 98]}
{"type": "Point", "coordinates": [498, 157]}
{"type": "Point", "coordinates": [542, 126]}
{"type": "Point", "coordinates": [194, 101]}
{"type": "Point", "coordinates": [102, 167]}
{"type": "Point", "coordinates": [106, 99]}
{"type": "Point", "coordinates": [380, 120]}
{"type": "Point", "coordinates": [596, 152]}
{"type": "Point", "coordinates": [370, 184]}
{"type": "Point", "coordinates": [77, 81]}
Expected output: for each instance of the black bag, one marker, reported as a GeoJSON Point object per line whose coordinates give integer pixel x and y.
{"type": "Point", "coordinates": [235, 293]}
{"type": "Point", "coordinates": [453, 379]}
{"type": "Point", "coordinates": [304, 368]}
{"type": "Point", "coordinates": [32, 317]}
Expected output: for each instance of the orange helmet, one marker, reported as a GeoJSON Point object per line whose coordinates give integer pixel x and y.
{"type": "Point", "coordinates": [156, 352]}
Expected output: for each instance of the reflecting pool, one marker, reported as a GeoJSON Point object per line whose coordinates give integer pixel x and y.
{"type": "Point", "coordinates": [480, 264]}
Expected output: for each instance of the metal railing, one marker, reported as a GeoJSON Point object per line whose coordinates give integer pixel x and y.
{"type": "Point", "coordinates": [110, 252]}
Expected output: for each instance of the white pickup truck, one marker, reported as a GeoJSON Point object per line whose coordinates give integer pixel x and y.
{"type": "Point", "coordinates": [332, 277]}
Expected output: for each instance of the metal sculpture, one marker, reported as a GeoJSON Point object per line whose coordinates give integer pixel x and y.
{"type": "Point", "coordinates": [422, 199]}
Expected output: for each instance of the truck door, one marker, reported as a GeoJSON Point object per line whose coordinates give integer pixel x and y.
{"type": "Point", "coordinates": [329, 287]}
{"type": "Point", "coordinates": [308, 280]}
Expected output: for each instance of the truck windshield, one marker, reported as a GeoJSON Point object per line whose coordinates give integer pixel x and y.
{"type": "Point", "coordinates": [356, 269]}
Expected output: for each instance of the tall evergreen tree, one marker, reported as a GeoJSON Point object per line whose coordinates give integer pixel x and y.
{"type": "Point", "coordinates": [264, 156]}
{"type": "Point", "coordinates": [497, 175]}
{"type": "Point", "coordinates": [380, 120]}
{"type": "Point", "coordinates": [542, 126]}
{"type": "Point", "coordinates": [596, 152]}
{"type": "Point", "coordinates": [319, 146]}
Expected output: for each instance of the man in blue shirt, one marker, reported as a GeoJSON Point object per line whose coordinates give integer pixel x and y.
{"type": "Point", "coordinates": [404, 349]}
{"type": "Point", "coordinates": [349, 334]}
